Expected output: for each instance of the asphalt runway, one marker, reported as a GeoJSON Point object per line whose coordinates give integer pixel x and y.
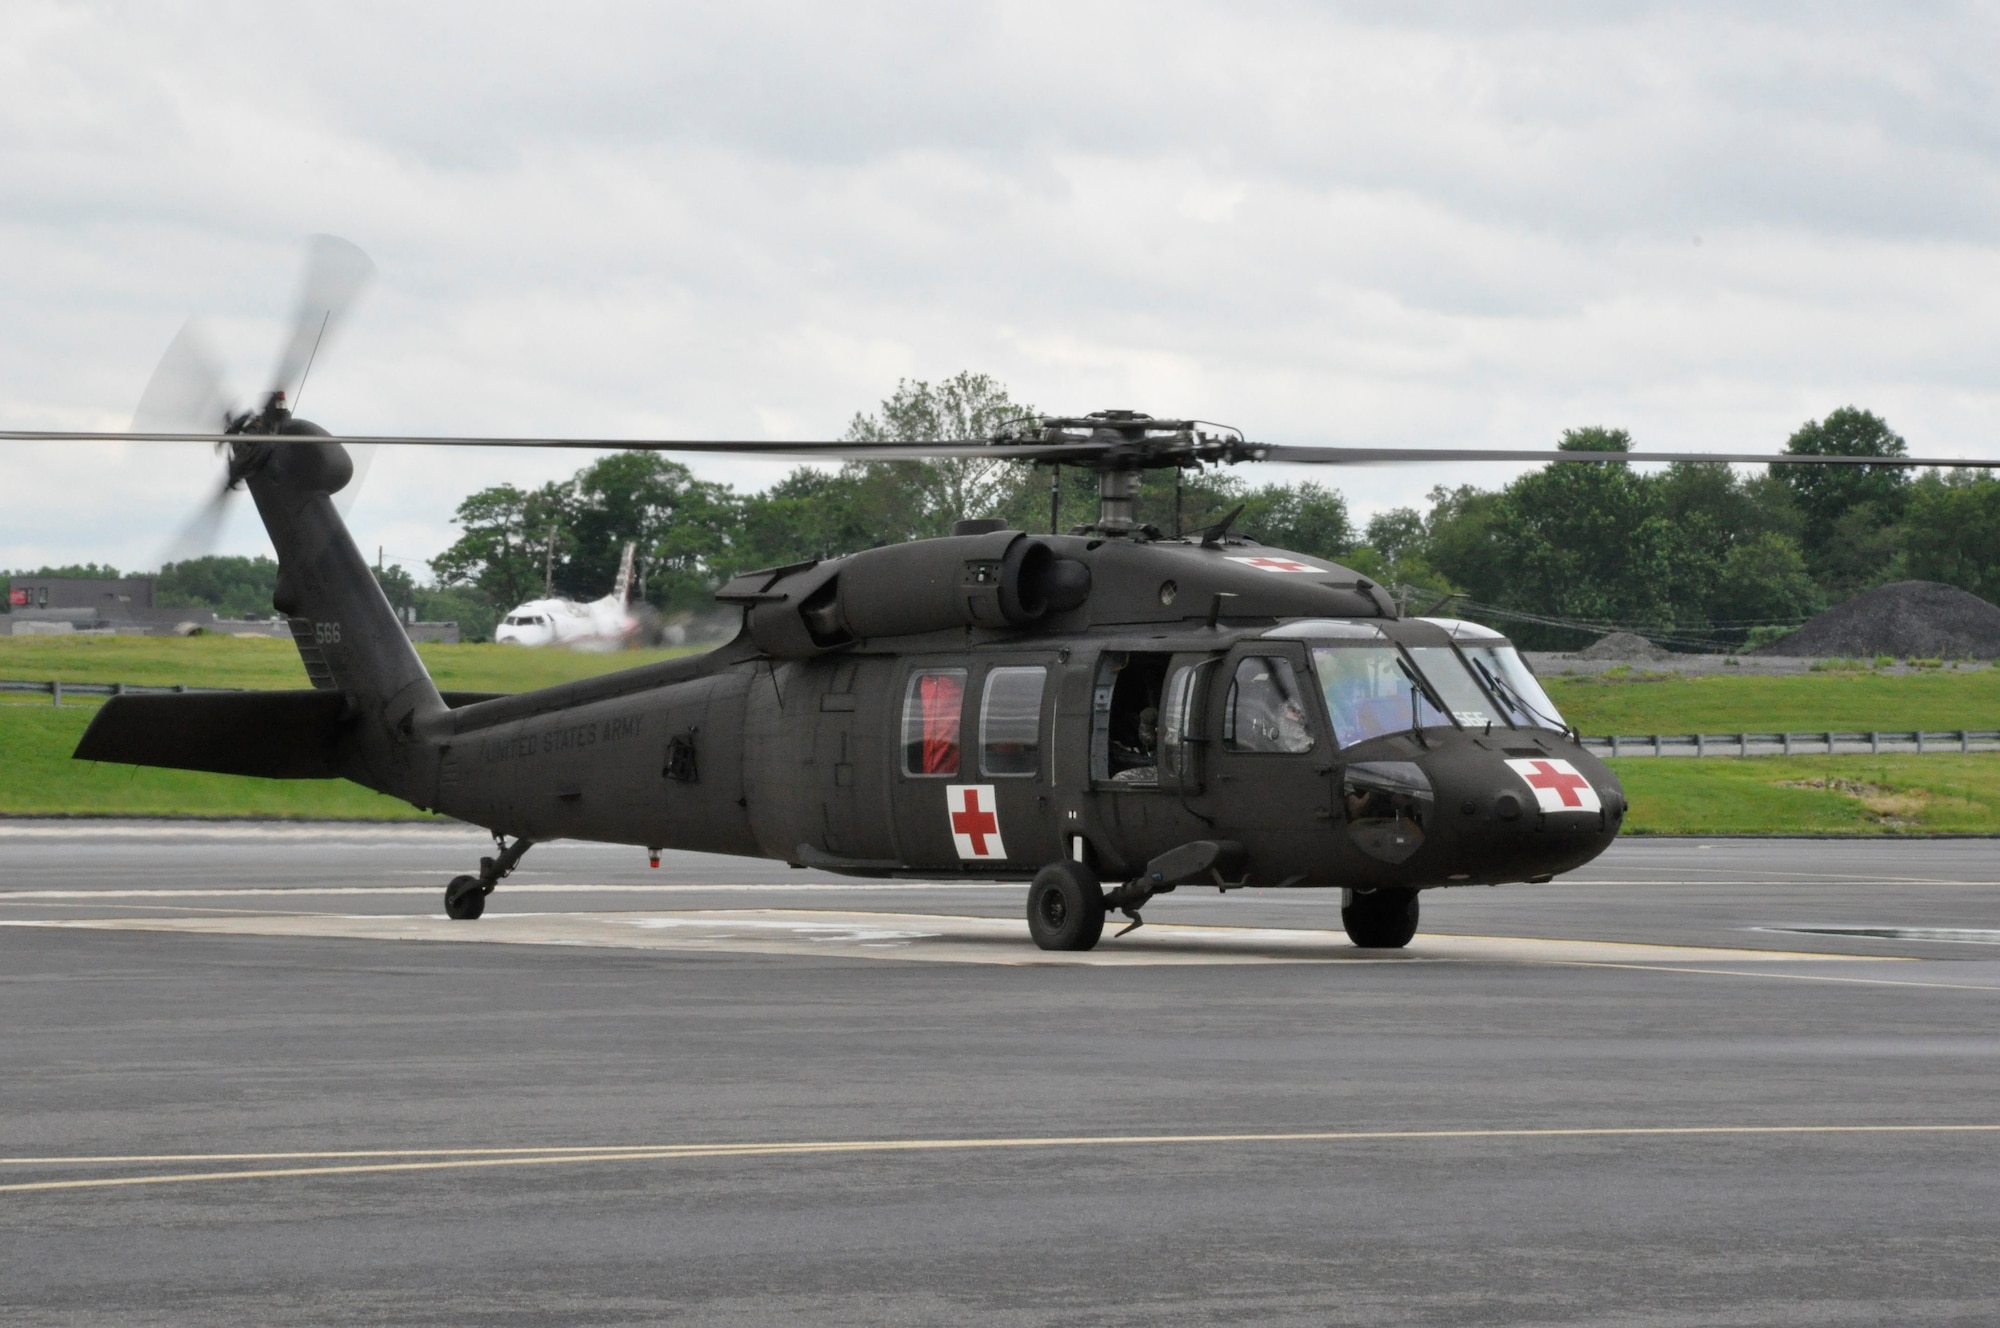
{"type": "Point", "coordinates": [249, 1074]}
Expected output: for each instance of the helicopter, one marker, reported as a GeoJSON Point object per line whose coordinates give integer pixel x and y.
{"type": "Point", "coordinates": [1106, 713]}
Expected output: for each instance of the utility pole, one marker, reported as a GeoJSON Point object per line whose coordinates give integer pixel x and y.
{"type": "Point", "coordinates": [549, 566]}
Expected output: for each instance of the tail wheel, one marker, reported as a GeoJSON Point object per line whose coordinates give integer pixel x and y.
{"type": "Point", "coordinates": [1066, 907]}
{"type": "Point", "coordinates": [1383, 919]}
{"type": "Point", "coordinates": [464, 898]}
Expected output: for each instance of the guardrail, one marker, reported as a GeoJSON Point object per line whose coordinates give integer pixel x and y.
{"type": "Point", "coordinates": [1826, 743]}
{"type": "Point", "coordinates": [56, 689]}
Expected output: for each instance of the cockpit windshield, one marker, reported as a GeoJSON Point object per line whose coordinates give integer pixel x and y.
{"type": "Point", "coordinates": [1374, 690]}
{"type": "Point", "coordinates": [1370, 691]}
{"type": "Point", "coordinates": [1505, 674]}
{"type": "Point", "coordinates": [1448, 677]}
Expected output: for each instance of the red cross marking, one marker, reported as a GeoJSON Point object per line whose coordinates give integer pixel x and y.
{"type": "Point", "coordinates": [1562, 783]}
{"type": "Point", "coordinates": [1278, 564]}
{"type": "Point", "coordinates": [974, 823]}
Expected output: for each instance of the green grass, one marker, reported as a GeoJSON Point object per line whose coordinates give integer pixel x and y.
{"type": "Point", "coordinates": [1798, 703]}
{"type": "Point", "coordinates": [37, 777]}
{"type": "Point", "coordinates": [223, 661]}
{"type": "Point", "coordinates": [1846, 795]}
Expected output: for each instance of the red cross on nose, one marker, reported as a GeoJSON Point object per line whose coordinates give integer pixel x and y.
{"type": "Point", "coordinates": [1278, 564]}
{"type": "Point", "coordinates": [1564, 783]}
{"type": "Point", "coordinates": [974, 823]}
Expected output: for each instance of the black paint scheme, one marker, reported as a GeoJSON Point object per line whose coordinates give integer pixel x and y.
{"type": "Point", "coordinates": [788, 742]}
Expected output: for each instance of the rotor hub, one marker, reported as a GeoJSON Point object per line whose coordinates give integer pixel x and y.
{"type": "Point", "coordinates": [1119, 444]}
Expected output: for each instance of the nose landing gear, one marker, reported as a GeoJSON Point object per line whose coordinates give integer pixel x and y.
{"type": "Point", "coordinates": [465, 897]}
{"type": "Point", "coordinates": [1383, 919]}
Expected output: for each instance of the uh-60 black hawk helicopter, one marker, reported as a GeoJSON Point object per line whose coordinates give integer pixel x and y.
{"type": "Point", "coordinates": [1106, 705]}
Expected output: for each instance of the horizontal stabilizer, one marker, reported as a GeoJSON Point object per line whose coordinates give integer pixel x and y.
{"type": "Point", "coordinates": [273, 735]}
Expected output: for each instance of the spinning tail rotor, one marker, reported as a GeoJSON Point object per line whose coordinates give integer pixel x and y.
{"type": "Point", "coordinates": [187, 394]}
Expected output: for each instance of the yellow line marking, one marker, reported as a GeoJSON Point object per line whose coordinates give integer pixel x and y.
{"type": "Point", "coordinates": [678, 1152]}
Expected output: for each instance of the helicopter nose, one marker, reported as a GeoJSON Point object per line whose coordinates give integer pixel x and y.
{"type": "Point", "coordinates": [1524, 817]}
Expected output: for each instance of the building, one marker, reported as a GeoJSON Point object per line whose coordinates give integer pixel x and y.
{"type": "Point", "coordinates": [62, 605]}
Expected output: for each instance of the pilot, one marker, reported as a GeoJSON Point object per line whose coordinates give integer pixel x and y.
{"type": "Point", "coordinates": [1292, 733]}
{"type": "Point", "coordinates": [1141, 759]}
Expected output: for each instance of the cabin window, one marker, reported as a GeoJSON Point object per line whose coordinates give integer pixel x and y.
{"type": "Point", "coordinates": [1010, 721]}
{"type": "Point", "coordinates": [1267, 710]}
{"type": "Point", "coordinates": [931, 710]}
{"type": "Point", "coordinates": [1180, 720]}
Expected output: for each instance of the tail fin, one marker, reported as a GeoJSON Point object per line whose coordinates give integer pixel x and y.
{"type": "Point", "coordinates": [622, 592]}
{"type": "Point", "coordinates": [346, 631]}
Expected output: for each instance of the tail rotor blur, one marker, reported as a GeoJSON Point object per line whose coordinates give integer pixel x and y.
{"type": "Point", "coordinates": [187, 393]}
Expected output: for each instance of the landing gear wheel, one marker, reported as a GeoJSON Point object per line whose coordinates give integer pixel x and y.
{"type": "Point", "coordinates": [1066, 907]}
{"type": "Point", "coordinates": [1381, 919]}
{"type": "Point", "coordinates": [464, 898]}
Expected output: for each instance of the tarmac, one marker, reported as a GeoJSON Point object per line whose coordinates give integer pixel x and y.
{"type": "Point", "coordinates": [250, 1074]}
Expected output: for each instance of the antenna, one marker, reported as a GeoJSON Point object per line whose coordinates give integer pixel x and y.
{"type": "Point", "coordinates": [324, 320]}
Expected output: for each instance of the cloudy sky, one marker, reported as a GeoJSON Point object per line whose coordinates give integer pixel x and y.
{"type": "Point", "coordinates": [1466, 224]}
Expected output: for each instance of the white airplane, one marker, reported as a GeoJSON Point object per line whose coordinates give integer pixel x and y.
{"type": "Point", "coordinates": [602, 624]}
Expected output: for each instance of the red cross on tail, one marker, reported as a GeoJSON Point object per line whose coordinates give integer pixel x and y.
{"type": "Point", "coordinates": [1557, 785]}
{"type": "Point", "coordinates": [975, 821]}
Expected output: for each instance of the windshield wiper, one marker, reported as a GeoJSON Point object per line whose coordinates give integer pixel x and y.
{"type": "Point", "coordinates": [1513, 700]}
{"type": "Point", "coordinates": [1422, 684]}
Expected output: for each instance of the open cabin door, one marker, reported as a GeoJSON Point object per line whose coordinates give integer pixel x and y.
{"type": "Point", "coordinates": [1147, 753]}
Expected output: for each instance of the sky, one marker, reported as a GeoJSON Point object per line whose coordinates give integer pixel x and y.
{"type": "Point", "coordinates": [1449, 224]}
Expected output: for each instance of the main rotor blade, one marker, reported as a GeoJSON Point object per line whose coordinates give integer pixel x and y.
{"type": "Point", "coordinates": [1380, 456]}
{"type": "Point", "coordinates": [807, 450]}
{"type": "Point", "coordinates": [1067, 453]}
{"type": "Point", "coordinates": [185, 392]}
{"type": "Point", "coordinates": [336, 273]}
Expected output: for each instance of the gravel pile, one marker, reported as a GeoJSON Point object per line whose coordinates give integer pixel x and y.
{"type": "Point", "coordinates": [1923, 619]}
{"type": "Point", "coordinates": [1624, 646]}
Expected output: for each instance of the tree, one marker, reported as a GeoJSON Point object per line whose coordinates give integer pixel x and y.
{"type": "Point", "coordinates": [398, 586]}
{"type": "Point", "coordinates": [1596, 542]}
{"type": "Point", "coordinates": [1394, 552]}
{"type": "Point", "coordinates": [1397, 533]}
{"type": "Point", "coordinates": [683, 529]}
{"type": "Point", "coordinates": [234, 587]}
{"type": "Point", "coordinates": [511, 536]}
{"type": "Point", "coordinates": [1763, 582]}
{"type": "Point", "coordinates": [1873, 496]}
{"type": "Point", "coordinates": [82, 571]}
{"type": "Point", "coordinates": [1460, 542]}
{"type": "Point", "coordinates": [1951, 531]}
{"type": "Point", "coordinates": [808, 514]}
{"type": "Point", "coordinates": [918, 499]}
